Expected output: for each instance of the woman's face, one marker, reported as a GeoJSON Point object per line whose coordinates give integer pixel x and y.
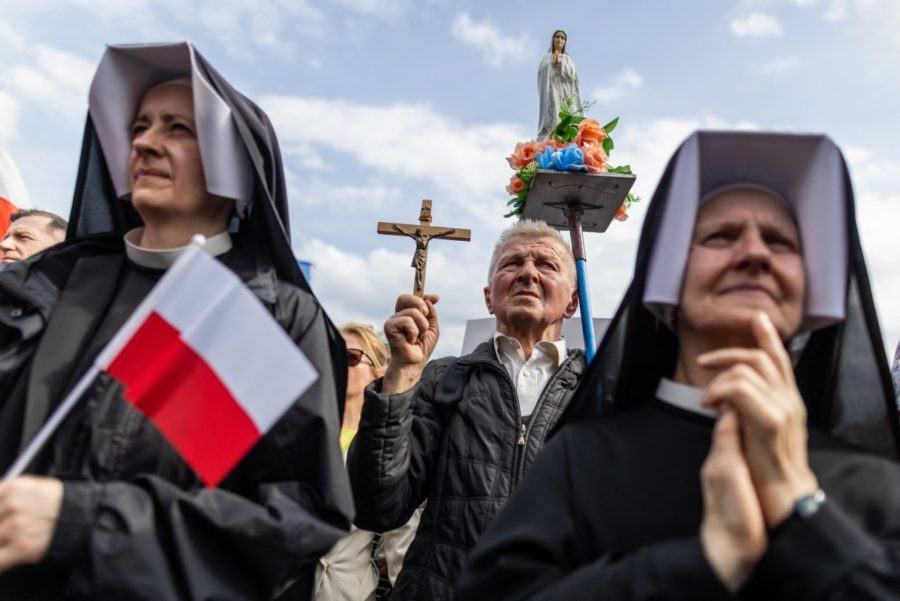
{"type": "Point", "coordinates": [360, 375]}
{"type": "Point", "coordinates": [165, 168]}
{"type": "Point", "coordinates": [559, 41]}
{"type": "Point", "coordinates": [745, 257]}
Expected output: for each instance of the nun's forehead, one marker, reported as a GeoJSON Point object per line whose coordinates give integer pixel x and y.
{"type": "Point", "coordinates": [170, 92]}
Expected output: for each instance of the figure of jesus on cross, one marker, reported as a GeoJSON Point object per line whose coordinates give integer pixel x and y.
{"type": "Point", "coordinates": [422, 234]}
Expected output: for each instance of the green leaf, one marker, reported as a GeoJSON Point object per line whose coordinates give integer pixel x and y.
{"type": "Point", "coordinates": [626, 169]}
{"type": "Point", "coordinates": [608, 146]}
{"type": "Point", "coordinates": [611, 125]}
{"type": "Point", "coordinates": [514, 201]}
{"type": "Point", "coordinates": [513, 213]}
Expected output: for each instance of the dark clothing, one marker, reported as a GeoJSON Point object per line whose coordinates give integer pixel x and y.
{"type": "Point", "coordinates": [612, 510]}
{"type": "Point", "coordinates": [465, 460]}
{"type": "Point", "coordinates": [135, 521]}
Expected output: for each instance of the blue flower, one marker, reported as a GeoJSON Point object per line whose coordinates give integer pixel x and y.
{"type": "Point", "coordinates": [545, 159]}
{"type": "Point", "coordinates": [570, 158]}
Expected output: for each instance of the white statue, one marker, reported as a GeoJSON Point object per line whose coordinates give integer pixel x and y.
{"type": "Point", "coordinates": [557, 81]}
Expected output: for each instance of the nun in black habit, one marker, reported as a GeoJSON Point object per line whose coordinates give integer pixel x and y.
{"type": "Point", "coordinates": [111, 511]}
{"type": "Point", "coordinates": [727, 464]}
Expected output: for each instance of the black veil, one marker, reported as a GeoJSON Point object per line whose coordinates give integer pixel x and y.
{"type": "Point", "coordinates": [841, 369]}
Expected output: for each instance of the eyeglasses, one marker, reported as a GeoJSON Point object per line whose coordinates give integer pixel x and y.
{"type": "Point", "coordinates": [355, 357]}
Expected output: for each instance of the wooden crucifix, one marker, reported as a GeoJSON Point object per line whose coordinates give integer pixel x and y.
{"type": "Point", "coordinates": [422, 234]}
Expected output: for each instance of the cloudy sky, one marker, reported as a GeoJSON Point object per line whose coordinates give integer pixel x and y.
{"type": "Point", "coordinates": [380, 103]}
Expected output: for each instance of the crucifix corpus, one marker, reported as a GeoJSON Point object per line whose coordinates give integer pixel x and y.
{"type": "Point", "coordinates": [422, 234]}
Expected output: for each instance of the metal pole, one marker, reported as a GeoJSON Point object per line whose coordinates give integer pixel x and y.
{"type": "Point", "coordinates": [573, 214]}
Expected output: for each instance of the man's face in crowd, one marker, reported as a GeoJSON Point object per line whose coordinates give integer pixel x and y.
{"type": "Point", "coordinates": [27, 236]}
{"type": "Point", "coordinates": [532, 285]}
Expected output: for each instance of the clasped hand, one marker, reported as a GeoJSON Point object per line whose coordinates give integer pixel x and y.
{"type": "Point", "coordinates": [29, 508]}
{"type": "Point", "coordinates": [757, 467]}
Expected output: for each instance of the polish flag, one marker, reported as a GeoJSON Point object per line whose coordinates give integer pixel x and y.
{"type": "Point", "coordinates": [13, 193]}
{"type": "Point", "coordinates": [205, 361]}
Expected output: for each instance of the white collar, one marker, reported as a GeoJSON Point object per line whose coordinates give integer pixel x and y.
{"type": "Point", "coordinates": [163, 258]}
{"type": "Point", "coordinates": [545, 345]}
{"type": "Point", "coordinates": [683, 397]}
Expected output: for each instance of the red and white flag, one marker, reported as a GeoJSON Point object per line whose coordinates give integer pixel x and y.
{"type": "Point", "coordinates": [13, 194]}
{"type": "Point", "coordinates": [206, 362]}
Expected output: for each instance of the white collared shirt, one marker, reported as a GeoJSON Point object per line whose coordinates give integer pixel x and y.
{"type": "Point", "coordinates": [683, 397]}
{"type": "Point", "coordinates": [529, 377]}
{"type": "Point", "coordinates": [163, 259]}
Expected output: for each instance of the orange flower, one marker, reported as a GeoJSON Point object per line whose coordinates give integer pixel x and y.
{"type": "Point", "coordinates": [523, 154]}
{"type": "Point", "coordinates": [594, 158]}
{"type": "Point", "coordinates": [515, 185]}
{"type": "Point", "coordinates": [589, 132]}
{"type": "Point", "coordinates": [551, 143]}
{"type": "Point", "coordinates": [621, 213]}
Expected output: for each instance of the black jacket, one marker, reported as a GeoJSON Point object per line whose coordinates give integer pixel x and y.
{"type": "Point", "coordinates": [465, 458]}
{"type": "Point", "coordinates": [135, 521]}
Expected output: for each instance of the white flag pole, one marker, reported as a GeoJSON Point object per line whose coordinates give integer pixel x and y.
{"type": "Point", "coordinates": [110, 350]}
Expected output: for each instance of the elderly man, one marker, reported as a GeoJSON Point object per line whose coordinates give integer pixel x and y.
{"type": "Point", "coordinates": [31, 231]}
{"type": "Point", "coordinates": [460, 432]}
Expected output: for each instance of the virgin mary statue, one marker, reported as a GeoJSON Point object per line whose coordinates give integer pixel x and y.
{"type": "Point", "coordinates": [557, 82]}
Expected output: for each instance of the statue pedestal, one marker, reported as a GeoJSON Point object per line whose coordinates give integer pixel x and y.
{"type": "Point", "coordinates": [598, 195]}
{"type": "Point", "coordinates": [578, 202]}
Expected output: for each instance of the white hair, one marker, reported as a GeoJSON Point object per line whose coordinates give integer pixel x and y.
{"type": "Point", "coordinates": [532, 230]}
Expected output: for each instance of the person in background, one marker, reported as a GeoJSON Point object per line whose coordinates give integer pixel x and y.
{"type": "Point", "coordinates": [351, 571]}
{"type": "Point", "coordinates": [461, 432]}
{"type": "Point", "coordinates": [31, 231]}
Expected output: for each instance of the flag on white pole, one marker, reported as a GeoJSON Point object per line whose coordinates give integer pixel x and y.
{"type": "Point", "coordinates": [206, 362]}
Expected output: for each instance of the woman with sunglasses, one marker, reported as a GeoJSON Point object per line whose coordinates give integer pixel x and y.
{"type": "Point", "coordinates": [367, 357]}
{"type": "Point", "coordinates": [350, 571]}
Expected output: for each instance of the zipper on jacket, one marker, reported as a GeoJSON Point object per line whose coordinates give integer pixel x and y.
{"type": "Point", "coordinates": [519, 467]}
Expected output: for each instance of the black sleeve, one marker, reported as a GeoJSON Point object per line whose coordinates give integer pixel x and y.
{"type": "Point", "coordinates": [536, 549]}
{"type": "Point", "coordinates": [392, 458]}
{"type": "Point", "coordinates": [849, 550]}
{"type": "Point", "coordinates": [151, 536]}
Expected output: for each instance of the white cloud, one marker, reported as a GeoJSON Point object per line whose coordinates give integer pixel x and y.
{"type": "Point", "coordinates": [496, 48]}
{"type": "Point", "coordinates": [756, 25]}
{"type": "Point", "coordinates": [238, 25]}
{"type": "Point", "coordinates": [782, 64]}
{"type": "Point", "coordinates": [837, 10]}
{"type": "Point", "coordinates": [53, 78]}
{"type": "Point", "coordinates": [364, 287]}
{"type": "Point", "coordinates": [877, 215]}
{"type": "Point", "coordinates": [461, 162]}
{"type": "Point", "coordinates": [376, 7]}
{"type": "Point", "coordinates": [11, 37]}
{"type": "Point", "coordinates": [9, 117]}
{"type": "Point", "coordinates": [621, 85]}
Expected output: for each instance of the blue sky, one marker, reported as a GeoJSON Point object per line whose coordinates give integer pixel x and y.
{"type": "Point", "coordinates": [380, 103]}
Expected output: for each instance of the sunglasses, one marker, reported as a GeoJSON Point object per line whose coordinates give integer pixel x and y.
{"type": "Point", "coordinates": [355, 357]}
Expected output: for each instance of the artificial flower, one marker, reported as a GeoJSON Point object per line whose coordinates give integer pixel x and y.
{"type": "Point", "coordinates": [589, 132]}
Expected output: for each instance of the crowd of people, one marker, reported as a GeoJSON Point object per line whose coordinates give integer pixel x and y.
{"type": "Point", "coordinates": [736, 437]}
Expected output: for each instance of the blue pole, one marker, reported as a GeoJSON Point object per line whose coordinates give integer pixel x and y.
{"type": "Point", "coordinates": [584, 301]}
{"type": "Point", "coordinates": [573, 214]}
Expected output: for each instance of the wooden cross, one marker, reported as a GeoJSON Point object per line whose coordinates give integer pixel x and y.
{"type": "Point", "coordinates": [422, 234]}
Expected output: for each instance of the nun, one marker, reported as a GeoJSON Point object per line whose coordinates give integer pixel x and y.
{"type": "Point", "coordinates": [748, 441]}
{"type": "Point", "coordinates": [110, 510]}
